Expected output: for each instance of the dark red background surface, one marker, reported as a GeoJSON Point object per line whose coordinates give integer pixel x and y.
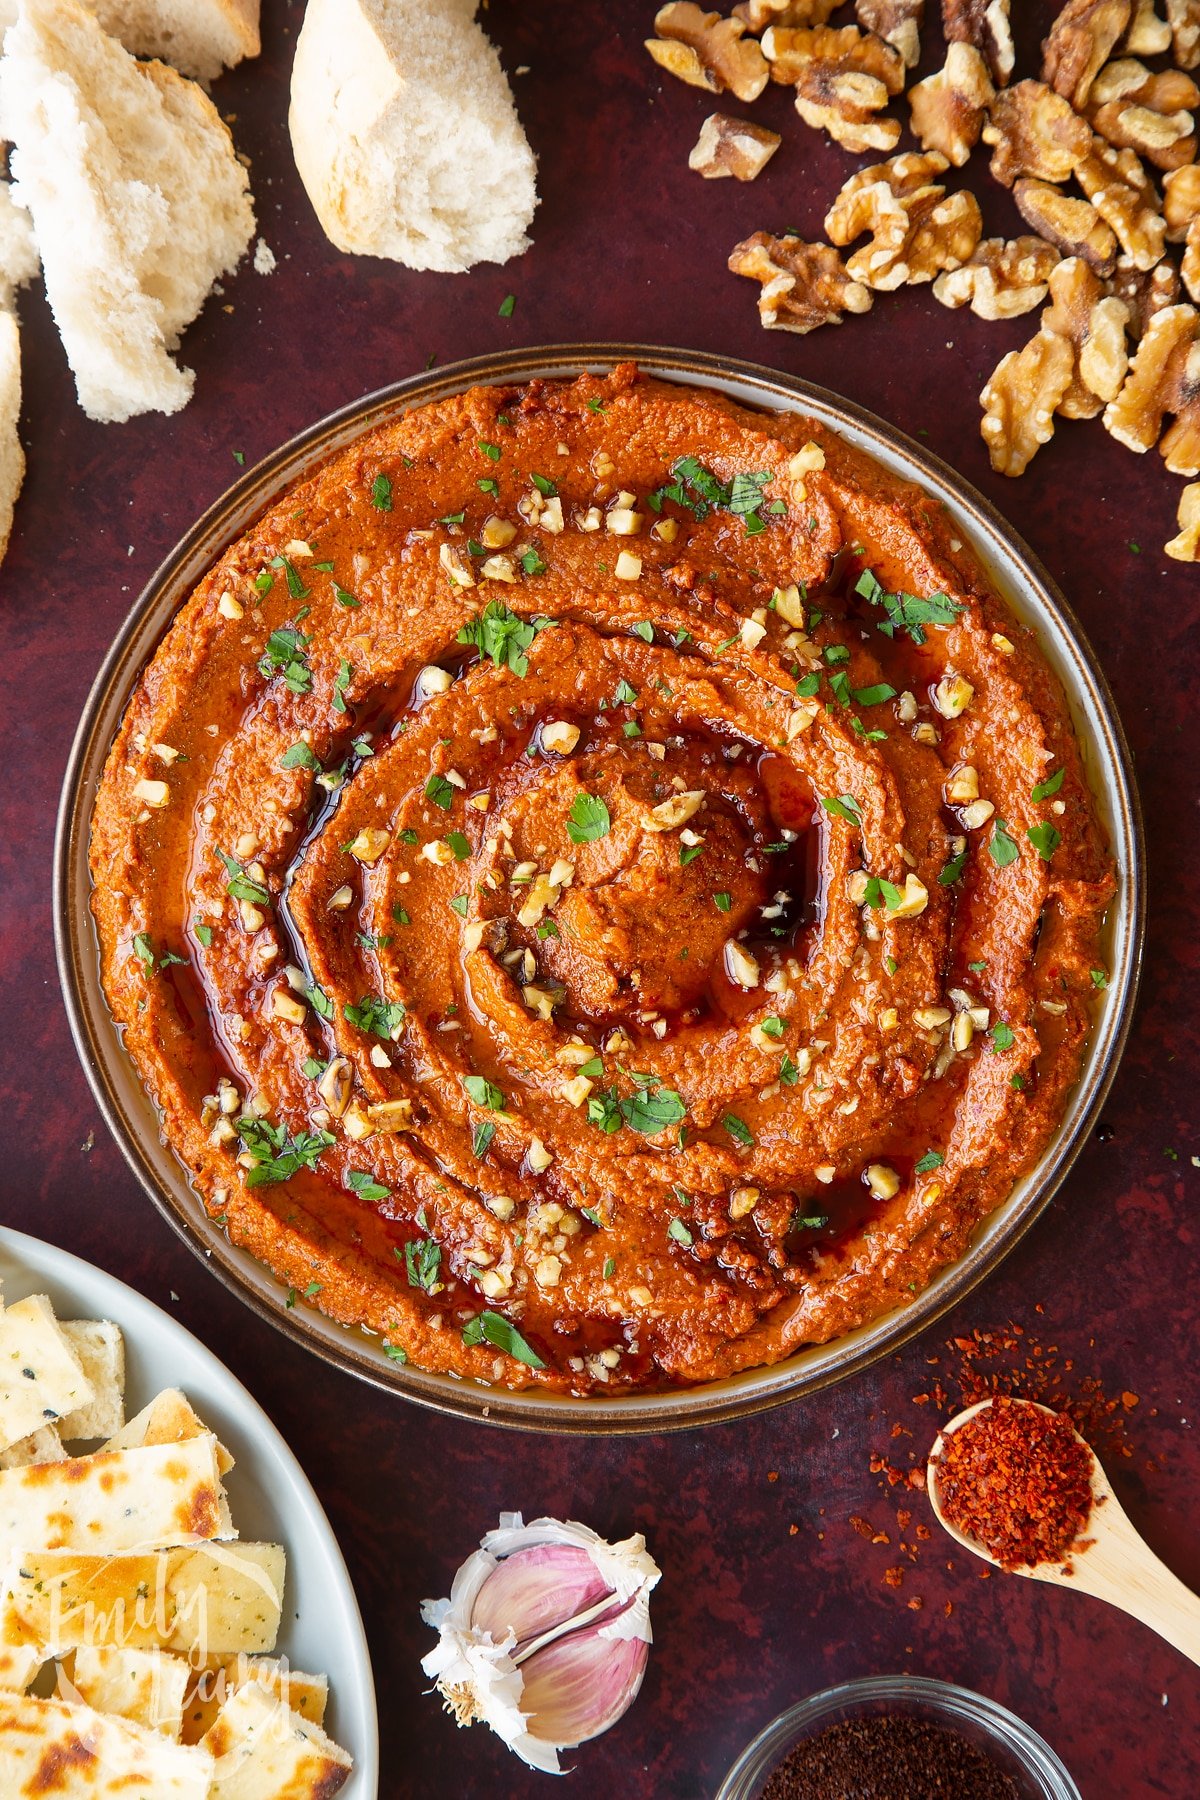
{"type": "Point", "coordinates": [749, 1617]}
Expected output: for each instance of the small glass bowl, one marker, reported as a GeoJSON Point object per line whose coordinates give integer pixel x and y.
{"type": "Point", "coordinates": [1014, 1746]}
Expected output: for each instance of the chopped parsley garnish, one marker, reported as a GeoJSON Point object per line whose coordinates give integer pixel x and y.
{"type": "Point", "coordinates": [1099, 979]}
{"type": "Point", "coordinates": [698, 490]}
{"type": "Point", "coordinates": [545, 487]}
{"type": "Point", "coordinates": [286, 653]}
{"type": "Point", "coordinates": [295, 581]}
{"type": "Point", "coordinates": [932, 1159]}
{"type": "Point", "coordinates": [503, 1335]}
{"type": "Point", "coordinates": [460, 844]}
{"type": "Point", "coordinates": [595, 405]}
{"type": "Point", "coordinates": [738, 1129]}
{"type": "Point", "coordinates": [845, 806]}
{"type": "Point", "coordinates": [1002, 847]}
{"type": "Point", "coordinates": [369, 940]}
{"type": "Point", "coordinates": [344, 597]}
{"type": "Point", "coordinates": [381, 493]}
{"type": "Point", "coordinates": [589, 819]}
{"type": "Point", "coordinates": [400, 915]}
{"type": "Point", "coordinates": [440, 791]}
{"type": "Point", "coordinates": [422, 1261]}
{"type": "Point", "coordinates": [532, 563]}
{"type": "Point", "coordinates": [604, 1110]}
{"type": "Point", "coordinates": [203, 933]}
{"type": "Point", "coordinates": [503, 635]}
{"type": "Point", "coordinates": [340, 684]}
{"type": "Point", "coordinates": [487, 484]}
{"type": "Point", "coordinates": [299, 757]}
{"type": "Point", "coordinates": [649, 1112]}
{"type": "Point", "coordinates": [1045, 840]}
{"type": "Point", "coordinates": [951, 871]}
{"type": "Point", "coordinates": [505, 308]}
{"type": "Point", "coordinates": [808, 685]}
{"type": "Point", "coordinates": [789, 1074]}
{"type": "Point", "coordinates": [482, 1133]}
{"type": "Point", "coordinates": [452, 518]}
{"type": "Point", "coordinates": [873, 696]}
{"type": "Point", "coordinates": [483, 1093]}
{"type": "Point", "coordinates": [1051, 785]}
{"type": "Point", "coordinates": [375, 1015]}
{"type": "Point", "coordinates": [460, 903]}
{"type": "Point", "coordinates": [882, 893]}
{"type": "Point", "coordinates": [277, 1156]}
{"type": "Point", "coordinates": [907, 612]}
{"type": "Point", "coordinates": [364, 1184]}
{"type": "Point", "coordinates": [239, 457]}
{"type": "Point", "coordinates": [319, 1000]}
{"type": "Point", "coordinates": [313, 1067]}
{"type": "Point", "coordinates": [397, 1352]}
{"type": "Point", "coordinates": [688, 853]}
{"type": "Point", "coordinates": [240, 886]}
{"type": "Point", "coordinates": [625, 694]}
{"type": "Point", "coordinates": [142, 950]}
{"type": "Point", "coordinates": [679, 1231]}
{"type": "Point", "coordinates": [610, 1267]}
{"type": "Point", "coordinates": [808, 1221]}
{"type": "Point", "coordinates": [491, 451]}
{"type": "Point", "coordinates": [548, 928]}
{"type": "Point", "coordinates": [723, 901]}
{"type": "Point", "coordinates": [1002, 1036]}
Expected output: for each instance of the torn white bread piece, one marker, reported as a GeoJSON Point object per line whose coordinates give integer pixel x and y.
{"type": "Point", "coordinates": [41, 1446]}
{"type": "Point", "coordinates": [260, 1746]}
{"type": "Point", "coordinates": [145, 1686]}
{"type": "Point", "coordinates": [19, 260]}
{"type": "Point", "coordinates": [406, 136]}
{"type": "Point", "coordinates": [307, 1695]}
{"type": "Point", "coordinates": [12, 451]}
{"type": "Point", "coordinates": [212, 1600]}
{"type": "Point", "coordinates": [41, 1378]}
{"type": "Point", "coordinates": [197, 37]}
{"type": "Point", "coordinates": [117, 1500]}
{"type": "Point", "coordinates": [75, 1753]}
{"type": "Point", "coordinates": [101, 1349]}
{"type": "Point", "coordinates": [138, 201]}
{"type": "Point", "coordinates": [167, 1419]}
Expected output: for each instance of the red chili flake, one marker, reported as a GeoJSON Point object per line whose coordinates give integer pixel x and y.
{"type": "Point", "coordinates": [1019, 1481]}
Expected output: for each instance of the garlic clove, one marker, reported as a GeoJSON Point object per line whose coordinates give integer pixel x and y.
{"type": "Point", "coordinates": [526, 1593]}
{"type": "Point", "coordinates": [533, 1591]}
{"type": "Point", "coordinates": [581, 1684]}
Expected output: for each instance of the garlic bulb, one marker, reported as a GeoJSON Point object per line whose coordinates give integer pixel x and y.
{"type": "Point", "coordinates": [545, 1635]}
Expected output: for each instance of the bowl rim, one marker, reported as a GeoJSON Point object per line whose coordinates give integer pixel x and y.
{"type": "Point", "coordinates": [102, 1054]}
{"type": "Point", "coordinates": [946, 1698]}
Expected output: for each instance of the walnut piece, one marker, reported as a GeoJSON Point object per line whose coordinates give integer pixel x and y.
{"type": "Point", "coordinates": [756, 15]}
{"type": "Point", "coordinates": [1121, 192]}
{"type": "Point", "coordinates": [1164, 377]}
{"type": "Point", "coordinates": [1001, 280]}
{"type": "Point", "coordinates": [1072, 226]}
{"type": "Point", "coordinates": [1020, 400]}
{"type": "Point", "coordinates": [917, 229]}
{"type": "Point", "coordinates": [1081, 40]}
{"type": "Point", "coordinates": [897, 22]}
{"type": "Point", "coordinates": [986, 24]}
{"type": "Point", "coordinates": [1148, 35]}
{"type": "Point", "coordinates": [732, 147]}
{"type": "Point", "coordinates": [1183, 16]}
{"type": "Point", "coordinates": [1186, 547]}
{"type": "Point", "coordinates": [1189, 268]}
{"type": "Point", "coordinates": [1136, 110]}
{"type": "Point", "coordinates": [1093, 323]}
{"type": "Point", "coordinates": [1181, 200]}
{"type": "Point", "coordinates": [842, 80]}
{"type": "Point", "coordinates": [707, 51]}
{"type": "Point", "coordinates": [948, 108]}
{"type": "Point", "coordinates": [804, 285]}
{"type": "Point", "coordinates": [1034, 131]}
{"type": "Point", "coordinates": [1144, 291]}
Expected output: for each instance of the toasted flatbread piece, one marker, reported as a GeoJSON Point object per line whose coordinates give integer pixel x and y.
{"type": "Point", "coordinates": [41, 1377]}
{"type": "Point", "coordinates": [117, 1500]}
{"type": "Point", "coordinates": [75, 1753]}
{"type": "Point", "coordinates": [307, 1695]}
{"type": "Point", "coordinates": [261, 1747]}
{"type": "Point", "coordinates": [168, 1419]}
{"type": "Point", "coordinates": [41, 1446]}
{"type": "Point", "coordinates": [19, 1663]}
{"type": "Point", "coordinates": [146, 1686]}
{"type": "Point", "coordinates": [101, 1349]}
{"type": "Point", "coordinates": [211, 1600]}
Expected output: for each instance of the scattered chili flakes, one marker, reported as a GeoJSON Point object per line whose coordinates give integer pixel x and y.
{"type": "Point", "coordinates": [1018, 1480]}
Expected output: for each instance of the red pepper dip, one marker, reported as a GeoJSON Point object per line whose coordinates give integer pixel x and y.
{"type": "Point", "coordinates": [1018, 1480]}
{"type": "Point", "coordinates": [889, 1757]}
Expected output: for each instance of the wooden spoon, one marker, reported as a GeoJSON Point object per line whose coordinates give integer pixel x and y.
{"type": "Point", "coordinates": [1113, 1563]}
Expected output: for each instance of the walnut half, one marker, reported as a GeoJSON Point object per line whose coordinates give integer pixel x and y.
{"type": "Point", "coordinates": [1072, 226]}
{"type": "Point", "coordinates": [707, 51]}
{"type": "Point", "coordinates": [1136, 110]}
{"type": "Point", "coordinates": [843, 79]}
{"type": "Point", "coordinates": [1186, 547]}
{"type": "Point", "coordinates": [897, 22]}
{"type": "Point", "coordinates": [1020, 400]}
{"type": "Point", "coordinates": [1164, 377]}
{"type": "Point", "coordinates": [1081, 40]}
{"type": "Point", "coordinates": [732, 147]}
{"type": "Point", "coordinates": [948, 108]}
{"type": "Point", "coordinates": [986, 25]}
{"type": "Point", "coordinates": [1093, 322]}
{"type": "Point", "coordinates": [1035, 132]}
{"type": "Point", "coordinates": [1121, 192]}
{"type": "Point", "coordinates": [917, 229]}
{"type": "Point", "coordinates": [803, 285]}
{"type": "Point", "coordinates": [1000, 281]}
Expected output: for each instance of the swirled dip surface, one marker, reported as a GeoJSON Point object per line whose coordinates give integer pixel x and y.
{"type": "Point", "coordinates": [589, 918]}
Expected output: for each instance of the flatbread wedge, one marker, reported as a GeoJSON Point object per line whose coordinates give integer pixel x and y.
{"type": "Point", "coordinates": [145, 1686]}
{"type": "Point", "coordinates": [117, 1500]}
{"type": "Point", "coordinates": [75, 1753]}
{"type": "Point", "coordinates": [307, 1695]}
{"type": "Point", "coordinates": [41, 1446]}
{"type": "Point", "coordinates": [260, 1746]}
{"type": "Point", "coordinates": [101, 1349]}
{"type": "Point", "coordinates": [41, 1377]}
{"type": "Point", "coordinates": [167, 1419]}
{"type": "Point", "coordinates": [210, 1600]}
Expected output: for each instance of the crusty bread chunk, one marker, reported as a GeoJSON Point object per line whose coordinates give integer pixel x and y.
{"type": "Point", "coordinates": [406, 136]}
{"type": "Point", "coordinates": [19, 260]}
{"type": "Point", "coordinates": [197, 37]}
{"type": "Point", "coordinates": [137, 198]}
